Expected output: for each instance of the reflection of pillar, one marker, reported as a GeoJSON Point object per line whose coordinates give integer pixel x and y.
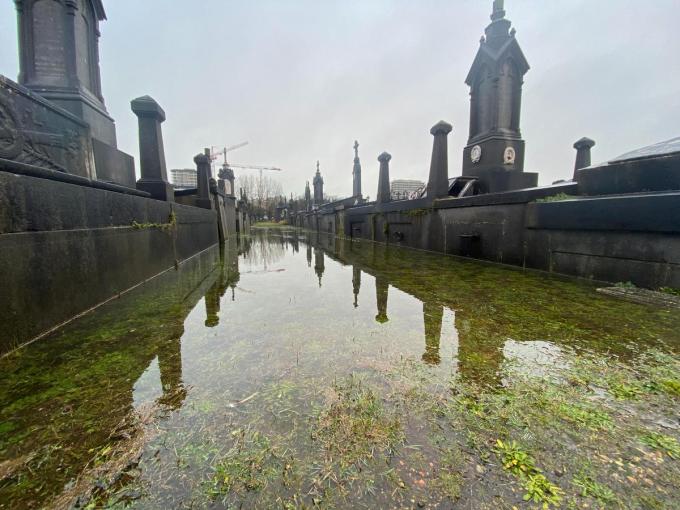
{"type": "Point", "coordinates": [382, 288]}
{"type": "Point", "coordinates": [480, 349]}
{"type": "Point", "coordinates": [319, 263]}
{"type": "Point", "coordinates": [309, 254]}
{"type": "Point", "coordinates": [170, 366]}
{"type": "Point", "coordinates": [356, 284]}
{"type": "Point", "coordinates": [433, 315]}
{"type": "Point", "coordinates": [232, 271]}
{"type": "Point", "coordinates": [212, 304]}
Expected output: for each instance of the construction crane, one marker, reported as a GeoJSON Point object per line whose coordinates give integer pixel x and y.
{"type": "Point", "coordinates": [214, 154]}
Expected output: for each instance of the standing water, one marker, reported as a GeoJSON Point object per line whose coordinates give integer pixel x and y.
{"type": "Point", "coordinates": [308, 371]}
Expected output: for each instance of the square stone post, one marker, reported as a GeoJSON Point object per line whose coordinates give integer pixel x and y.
{"type": "Point", "coordinates": [384, 179]}
{"type": "Point", "coordinates": [203, 181]}
{"type": "Point", "coordinates": [438, 184]}
{"type": "Point", "coordinates": [151, 152]}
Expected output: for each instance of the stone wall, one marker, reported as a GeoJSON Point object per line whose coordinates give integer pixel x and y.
{"type": "Point", "coordinates": [620, 238]}
{"type": "Point", "coordinates": [65, 248]}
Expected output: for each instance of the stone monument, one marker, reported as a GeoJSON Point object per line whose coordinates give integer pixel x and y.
{"type": "Point", "coordinates": [318, 186]}
{"type": "Point", "coordinates": [59, 58]}
{"type": "Point", "coordinates": [59, 61]}
{"type": "Point", "coordinates": [495, 149]}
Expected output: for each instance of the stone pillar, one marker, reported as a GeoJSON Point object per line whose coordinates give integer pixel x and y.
{"type": "Point", "coordinates": [151, 152]}
{"type": "Point", "coordinates": [203, 181]}
{"type": "Point", "coordinates": [583, 147]}
{"type": "Point", "coordinates": [438, 184]}
{"type": "Point", "coordinates": [384, 179]}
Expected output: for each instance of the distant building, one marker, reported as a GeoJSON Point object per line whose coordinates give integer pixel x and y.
{"type": "Point", "coordinates": [401, 189]}
{"type": "Point", "coordinates": [183, 178]}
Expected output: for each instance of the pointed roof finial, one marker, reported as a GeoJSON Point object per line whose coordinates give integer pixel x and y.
{"type": "Point", "coordinates": [317, 167]}
{"type": "Point", "coordinates": [356, 149]}
{"type": "Point", "coordinates": [498, 10]}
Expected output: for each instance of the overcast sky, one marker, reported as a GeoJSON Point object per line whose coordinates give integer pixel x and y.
{"type": "Point", "coordinates": [302, 79]}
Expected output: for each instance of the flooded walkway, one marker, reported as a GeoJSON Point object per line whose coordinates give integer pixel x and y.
{"type": "Point", "coordinates": [307, 371]}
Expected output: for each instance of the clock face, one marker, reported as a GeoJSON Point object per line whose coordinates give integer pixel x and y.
{"type": "Point", "coordinates": [476, 154]}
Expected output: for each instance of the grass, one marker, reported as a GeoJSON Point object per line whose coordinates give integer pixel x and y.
{"type": "Point", "coordinates": [518, 462]}
{"type": "Point", "coordinates": [356, 425]}
{"type": "Point", "coordinates": [271, 224]}
{"type": "Point", "coordinates": [559, 197]}
{"type": "Point", "coordinates": [663, 443]}
{"type": "Point", "coordinates": [250, 465]}
{"type": "Point", "coordinates": [169, 225]}
{"type": "Point", "coordinates": [588, 487]}
{"type": "Point", "coordinates": [670, 290]}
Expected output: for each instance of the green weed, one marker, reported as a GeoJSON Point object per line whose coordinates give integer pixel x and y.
{"type": "Point", "coordinates": [662, 442]}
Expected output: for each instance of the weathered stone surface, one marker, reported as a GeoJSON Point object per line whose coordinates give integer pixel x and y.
{"type": "Point", "coordinates": [36, 132]}
{"type": "Point", "coordinates": [653, 173]}
{"type": "Point", "coordinates": [59, 58]}
{"type": "Point", "coordinates": [65, 248]}
{"type": "Point", "coordinates": [113, 165]}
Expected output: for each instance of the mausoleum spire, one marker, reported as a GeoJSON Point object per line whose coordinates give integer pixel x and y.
{"type": "Point", "coordinates": [356, 172]}
{"type": "Point", "coordinates": [498, 11]}
{"type": "Point", "coordinates": [495, 149]}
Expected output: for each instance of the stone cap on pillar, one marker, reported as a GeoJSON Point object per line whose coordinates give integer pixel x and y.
{"type": "Point", "coordinates": [441, 128]}
{"type": "Point", "coordinates": [201, 159]}
{"type": "Point", "coordinates": [146, 106]}
{"type": "Point", "coordinates": [384, 157]}
{"type": "Point", "coordinates": [584, 143]}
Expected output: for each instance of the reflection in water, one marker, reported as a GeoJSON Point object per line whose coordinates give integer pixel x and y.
{"type": "Point", "coordinates": [433, 314]}
{"type": "Point", "coordinates": [228, 278]}
{"type": "Point", "coordinates": [356, 284]}
{"type": "Point", "coordinates": [170, 366]}
{"type": "Point", "coordinates": [319, 263]}
{"type": "Point", "coordinates": [72, 390]}
{"type": "Point", "coordinates": [382, 288]}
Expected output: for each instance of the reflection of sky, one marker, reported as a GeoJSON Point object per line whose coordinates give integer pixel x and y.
{"type": "Point", "coordinates": [536, 358]}
{"type": "Point", "coordinates": [148, 387]}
